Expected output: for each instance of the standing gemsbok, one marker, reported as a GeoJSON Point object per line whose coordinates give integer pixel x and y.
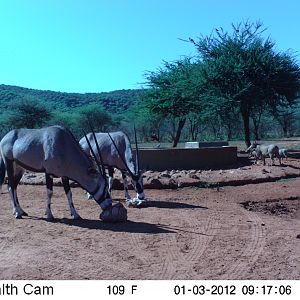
{"type": "Point", "coordinates": [116, 152]}
{"type": "Point", "coordinates": [55, 152]}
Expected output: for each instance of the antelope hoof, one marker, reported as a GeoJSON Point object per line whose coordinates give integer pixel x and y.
{"type": "Point", "coordinates": [88, 196]}
{"type": "Point", "coordinates": [50, 218]}
{"type": "Point", "coordinates": [18, 216]}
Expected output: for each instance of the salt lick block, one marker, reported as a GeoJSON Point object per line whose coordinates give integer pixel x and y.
{"type": "Point", "coordinates": [115, 213]}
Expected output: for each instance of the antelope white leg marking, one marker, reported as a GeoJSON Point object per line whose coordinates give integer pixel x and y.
{"type": "Point", "coordinates": [15, 209]}
{"type": "Point", "coordinates": [72, 208]}
{"type": "Point", "coordinates": [48, 211]}
{"type": "Point", "coordinates": [110, 183]}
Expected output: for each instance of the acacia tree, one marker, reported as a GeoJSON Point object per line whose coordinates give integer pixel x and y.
{"type": "Point", "coordinates": [94, 115]}
{"type": "Point", "coordinates": [245, 68]}
{"type": "Point", "coordinates": [171, 93]}
{"type": "Point", "coordinates": [286, 119]}
{"type": "Point", "coordinates": [81, 118]}
{"type": "Point", "coordinates": [147, 122]}
{"type": "Point", "coordinates": [223, 109]}
{"type": "Point", "coordinates": [29, 113]}
{"type": "Point", "coordinates": [196, 125]}
{"type": "Point", "coordinates": [256, 116]}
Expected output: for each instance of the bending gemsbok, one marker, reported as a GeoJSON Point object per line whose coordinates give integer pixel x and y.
{"type": "Point", "coordinates": [116, 152]}
{"type": "Point", "coordinates": [55, 152]}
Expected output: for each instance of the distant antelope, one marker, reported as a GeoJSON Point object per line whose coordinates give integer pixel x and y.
{"type": "Point", "coordinates": [116, 152]}
{"type": "Point", "coordinates": [55, 152]}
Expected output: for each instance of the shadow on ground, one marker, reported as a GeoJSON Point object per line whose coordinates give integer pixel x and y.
{"type": "Point", "coordinates": [173, 205]}
{"type": "Point", "coordinates": [128, 226]}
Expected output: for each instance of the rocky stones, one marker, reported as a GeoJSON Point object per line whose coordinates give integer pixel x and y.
{"type": "Point", "coordinates": [182, 178]}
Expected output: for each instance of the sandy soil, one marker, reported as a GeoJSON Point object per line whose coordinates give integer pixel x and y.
{"type": "Point", "coordinates": [249, 231]}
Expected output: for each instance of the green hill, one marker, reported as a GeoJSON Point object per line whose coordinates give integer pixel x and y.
{"type": "Point", "coordinates": [113, 102]}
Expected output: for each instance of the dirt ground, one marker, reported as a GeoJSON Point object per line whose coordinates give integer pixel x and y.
{"type": "Point", "coordinates": [249, 231]}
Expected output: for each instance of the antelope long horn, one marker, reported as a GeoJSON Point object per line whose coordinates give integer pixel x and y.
{"type": "Point", "coordinates": [98, 150]}
{"type": "Point", "coordinates": [120, 155]}
{"type": "Point", "coordinates": [137, 168]}
{"type": "Point", "coordinates": [92, 151]}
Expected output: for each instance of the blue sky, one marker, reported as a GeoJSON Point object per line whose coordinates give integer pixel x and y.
{"type": "Point", "coordinates": [104, 45]}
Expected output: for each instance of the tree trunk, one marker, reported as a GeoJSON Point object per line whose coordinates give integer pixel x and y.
{"type": "Point", "coordinates": [285, 130]}
{"type": "Point", "coordinates": [193, 131]}
{"type": "Point", "coordinates": [215, 131]}
{"type": "Point", "coordinates": [178, 132]}
{"type": "Point", "coordinates": [229, 132]}
{"type": "Point", "coordinates": [246, 121]}
{"type": "Point", "coordinates": [256, 124]}
{"type": "Point", "coordinates": [255, 127]}
{"type": "Point", "coordinates": [286, 126]}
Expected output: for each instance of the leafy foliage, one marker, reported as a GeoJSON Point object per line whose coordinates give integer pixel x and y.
{"type": "Point", "coordinates": [114, 102]}
{"type": "Point", "coordinates": [28, 113]}
{"type": "Point", "coordinates": [237, 84]}
{"type": "Point", "coordinates": [171, 93]}
{"type": "Point", "coordinates": [246, 71]}
{"type": "Point", "coordinates": [171, 89]}
{"type": "Point", "coordinates": [22, 107]}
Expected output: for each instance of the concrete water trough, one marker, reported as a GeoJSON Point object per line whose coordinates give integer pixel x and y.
{"type": "Point", "coordinates": [187, 158]}
{"type": "Point", "coordinates": [205, 144]}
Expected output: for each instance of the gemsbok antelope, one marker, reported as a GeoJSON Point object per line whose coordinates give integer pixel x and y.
{"type": "Point", "coordinates": [116, 152]}
{"type": "Point", "coordinates": [54, 151]}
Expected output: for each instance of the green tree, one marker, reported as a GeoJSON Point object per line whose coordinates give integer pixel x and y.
{"type": "Point", "coordinates": [195, 122]}
{"type": "Point", "coordinates": [245, 68]}
{"type": "Point", "coordinates": [146, 121]}
{"type": "Point", "coordinates": [95, 115]}
{"type": "Point", "coordinates": [171, 93]}
{"type": "Point", "coordinates": [286, 119]}
{"type": "Point", "coordinates": [67, 119]}
{"type": "Point", "coordinates": [4, 125]}
{"type": "Point", "coordinates": [29, 113]}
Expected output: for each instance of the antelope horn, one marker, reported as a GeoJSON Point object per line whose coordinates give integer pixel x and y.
{"type": "Point", "coordinates": [93, 153]}
{"type": "Point", "coordinates": [137, 160]}
{"type": "Point", "coordinates": [98, 150]}
{"type": "Point", "coordinates": [123, 160]}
